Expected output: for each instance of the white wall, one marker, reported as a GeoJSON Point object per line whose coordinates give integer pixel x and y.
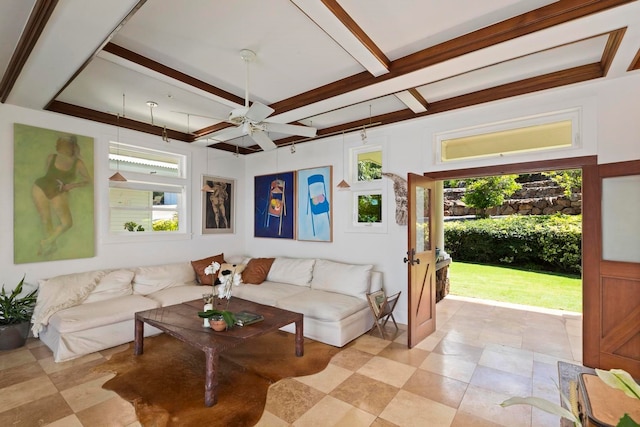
{"type": "Point", "coordinates": [611, 130]}
{"type": "Point", "coordinates": [109, 255]}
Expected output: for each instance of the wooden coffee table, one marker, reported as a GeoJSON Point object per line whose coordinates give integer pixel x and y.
{"type": "Point", "coordinates": [181, 321]}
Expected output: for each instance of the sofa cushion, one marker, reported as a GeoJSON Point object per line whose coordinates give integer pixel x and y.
{"type": "Point", "coordinates": [158, 277]}
{"type": "Point", "coordinates": [201, 264]}
{"type": "Point", "coordinates": [228, 268]}
{"type": "Point", "coordinates": [267, 293]}
{"type": "Point", "coordinates": [348, 279]}
{"type": "Point", "coordinates": [257, 270]}
{"type": "Point", "coordinates": [116, 283]}
{"type": "Point", "coordinates": [179, 294]}
{"type": "Point", "coordinates": [322, 305]}
{"type": "Point", "coordinates": [296, 271]}
{"type": "Point", "coordinates": [100, 313]}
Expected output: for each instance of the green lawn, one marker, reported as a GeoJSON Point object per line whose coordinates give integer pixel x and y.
{"type": "Point", "coordinates": [550, 290]}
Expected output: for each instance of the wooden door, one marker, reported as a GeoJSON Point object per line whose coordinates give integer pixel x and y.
{"type": "Point", "coordinates": [611, 266]}
{"type": "Point", "coordinates": [421, 259]}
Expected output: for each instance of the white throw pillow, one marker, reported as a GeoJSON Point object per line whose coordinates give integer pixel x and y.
{"type": "Point", "coordinates": [348, 279]}
{"type": "Point", "coordinates": [295, 271]}
{"type": "Point", "coordinates": [116, 283]}
{"type": "Point", "coordinates": [157, 277]}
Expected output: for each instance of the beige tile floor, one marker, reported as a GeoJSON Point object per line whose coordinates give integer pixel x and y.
{"type": "Point", "coordinates": [481, 354]}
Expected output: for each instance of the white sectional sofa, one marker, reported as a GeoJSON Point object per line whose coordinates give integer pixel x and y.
{"type": "Point", "coordinates": [81, 313]}
{"type": "Point", "coordinates": [331, 295]}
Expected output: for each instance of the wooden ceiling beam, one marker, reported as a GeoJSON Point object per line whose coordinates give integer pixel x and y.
{"type": "Point", "coordinates": [112, 119]}
{"type": "Point", "coordinates": [346, 20]}
{"type": "Point", "coordinates": [610, 50]}
{"type": "Point", "coordinates": [170, 72]}
{"type": "Point", "coordinates": [38, 19]}
{"type": "Point", "coordinates": [527, 23]}
{"type": "Point", "coordinates": [635, 63]}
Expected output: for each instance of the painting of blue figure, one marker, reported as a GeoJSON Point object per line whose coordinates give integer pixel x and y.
{"type": "Point", "coordinates": [274, 210]}
{"type": "Point", "coordinates": [314, 204]}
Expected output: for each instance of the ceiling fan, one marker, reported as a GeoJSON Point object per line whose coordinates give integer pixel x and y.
{"type": "Point", "coordinates": [250, 120]}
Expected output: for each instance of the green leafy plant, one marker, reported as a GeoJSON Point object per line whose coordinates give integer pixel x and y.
{"type": "Point", "coordinates": [615, 378]}
{"type": "Point", "coordinates": [166, 224]}
{"type": "Point", "coordinates": [132, 226]}
{"type": "Point", "coordinates": [229, 317]}
{"type": "Point", "coordinates": [546, 242]}
{"type": "Point", "coordinates": [569, 180]}
{"type": "Point", "coordinates": [488, 192]}
{"type": "Point", "coordinates": [14, 309]}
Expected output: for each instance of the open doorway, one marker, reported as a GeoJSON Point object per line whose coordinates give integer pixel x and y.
{"type": "Point", "coordinates": [515, 239]}
{"type": "Point", "coordinates": [533, 167]}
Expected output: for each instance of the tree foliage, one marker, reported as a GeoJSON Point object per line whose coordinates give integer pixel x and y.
{"type": "Point", "coordinates": [569, 180]}
{"type": "Point", "coordinates": [488, 192]}
{"type": "Point", "coordinates": [369, 171]}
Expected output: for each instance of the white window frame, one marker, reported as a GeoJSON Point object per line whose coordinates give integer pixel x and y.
{"type": "Point", "coordinates": [152, 182]}
{"type": "Point", "coordinates": [571, 114]}
{"type": "Point", "coordinates": [359, 188]}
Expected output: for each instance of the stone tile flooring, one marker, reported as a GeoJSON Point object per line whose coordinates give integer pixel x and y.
{"type": "Point", "coordinates": [481, 353]}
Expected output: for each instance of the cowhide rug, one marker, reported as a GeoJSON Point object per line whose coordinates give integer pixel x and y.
{"type": "Point", "coordinates": [166, 383]}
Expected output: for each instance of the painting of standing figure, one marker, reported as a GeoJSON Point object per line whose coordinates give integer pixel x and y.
{"type": "Point", "coordinates": [53, 195]}
{"type": "Point", "coordinates": [218, 205]}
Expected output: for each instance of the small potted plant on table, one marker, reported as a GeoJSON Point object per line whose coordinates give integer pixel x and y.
{"type": "Point", "coordinates": [219, 320]}
{"type": "Point", "coordinates": [15, 315]}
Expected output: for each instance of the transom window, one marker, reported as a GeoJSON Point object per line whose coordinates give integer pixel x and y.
{"type": "Point", "coordinates": [552, 131]}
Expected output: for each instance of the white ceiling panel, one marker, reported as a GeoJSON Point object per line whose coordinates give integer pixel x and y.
{"type": "Point", "coordinates": [293, 54]}
{"type": "Point", "coordinates": [317, 62]}
{"type": "Point", "coordinates": [403, 27]}
{"type": "Point", "coordinates": [568, 56]}
{"type": "Point", "coordinates": [13, 15]}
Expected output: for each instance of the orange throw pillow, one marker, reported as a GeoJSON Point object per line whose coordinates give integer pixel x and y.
{"type": "Point", "coordinates": [257, 270]}
{"type": "Point", "coordinates": [201, 264]}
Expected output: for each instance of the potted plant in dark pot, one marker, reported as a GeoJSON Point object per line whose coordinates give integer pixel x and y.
{"type": "Point", "coordinates": [15, 316]}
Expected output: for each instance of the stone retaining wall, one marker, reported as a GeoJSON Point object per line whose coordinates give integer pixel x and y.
{"type": "Point", "coordinates": [534, 198]}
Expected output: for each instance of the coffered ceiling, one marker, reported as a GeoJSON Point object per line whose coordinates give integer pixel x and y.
{"type": "Point", "coordinates": [335, 65]}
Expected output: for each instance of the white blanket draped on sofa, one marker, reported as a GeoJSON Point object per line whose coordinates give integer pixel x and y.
{"type": "Point", "coordinates": [62, 292]}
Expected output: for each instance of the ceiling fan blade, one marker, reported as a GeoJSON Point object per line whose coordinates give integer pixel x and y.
{"type": "Point", "coordinates": [307, 131]}
{"type": "Point", "coordinates": [258, 112]}
{"type": "Point", "coordinates": [229, 133]}
{"type": "Point", "coordinates": [263, 140]}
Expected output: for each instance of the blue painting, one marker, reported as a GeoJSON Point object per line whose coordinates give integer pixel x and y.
{"type": "Point", "coordinates": [314, 204]}
{"type": "Point", "coordinates": [274, 212]}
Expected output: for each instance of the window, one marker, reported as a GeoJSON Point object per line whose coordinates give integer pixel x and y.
{"type": "Point", "coordinates": [369, 165]}
{"type": "Point", "coordinates": [368, 202]}
{"type": "Point", "coordinates": [369, 207]}
{"type": "Point", "coordinates": [153, 199]}
{"type": "Point", "coordinates": [556, 130]}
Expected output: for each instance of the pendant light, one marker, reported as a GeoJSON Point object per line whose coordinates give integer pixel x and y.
{"type": "Point", "coordinates": [343, 185]}
{"type": "Point", "coordinates": [206, 187]}
{"type": "Point", "coordinates": [117, 176]}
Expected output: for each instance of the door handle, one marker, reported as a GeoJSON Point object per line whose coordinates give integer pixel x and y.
{"type": "Point", "coordinates": [412, 259]}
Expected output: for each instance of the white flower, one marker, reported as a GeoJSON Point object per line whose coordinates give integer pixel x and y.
{"type": "Point", "coordinates": [211, 269]}
{"type": "Point", "coordinates": [237, 279]}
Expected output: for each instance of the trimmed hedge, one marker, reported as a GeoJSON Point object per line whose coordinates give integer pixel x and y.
{"type": "Point", "coordinates": [542, 242]}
